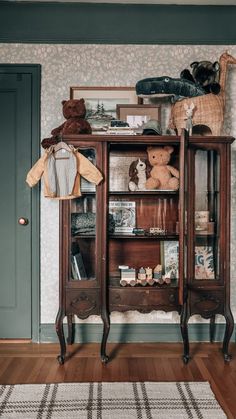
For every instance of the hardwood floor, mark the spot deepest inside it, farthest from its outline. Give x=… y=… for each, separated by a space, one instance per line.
x=37 y=363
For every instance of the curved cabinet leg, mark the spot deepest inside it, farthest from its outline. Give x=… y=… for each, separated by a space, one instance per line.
x=61 y=337
x=184 y=332
x=71 y=330
x=212 y=328
x=228 y=333
x=106 y=328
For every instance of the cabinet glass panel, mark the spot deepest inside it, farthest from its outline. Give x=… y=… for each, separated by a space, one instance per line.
x=207 y=169
x=83 y=229
x=143 y=223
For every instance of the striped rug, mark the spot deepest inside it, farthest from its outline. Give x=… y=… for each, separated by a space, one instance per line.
x=147 y=400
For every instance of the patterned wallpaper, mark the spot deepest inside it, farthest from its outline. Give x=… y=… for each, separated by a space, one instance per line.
x=109 y=65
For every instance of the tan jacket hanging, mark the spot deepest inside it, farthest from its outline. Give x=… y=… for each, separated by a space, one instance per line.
x=61 y=172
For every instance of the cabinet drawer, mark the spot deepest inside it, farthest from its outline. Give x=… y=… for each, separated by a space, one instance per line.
x=82 y=302
x=206 y=303
x=143 y=299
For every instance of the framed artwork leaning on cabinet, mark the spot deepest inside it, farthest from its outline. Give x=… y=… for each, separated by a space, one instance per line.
x=101 y=102
x=137 y=115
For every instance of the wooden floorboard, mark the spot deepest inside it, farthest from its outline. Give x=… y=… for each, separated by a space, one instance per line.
x=28 y=362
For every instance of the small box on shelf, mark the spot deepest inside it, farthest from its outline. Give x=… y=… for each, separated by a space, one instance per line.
x=206 y=228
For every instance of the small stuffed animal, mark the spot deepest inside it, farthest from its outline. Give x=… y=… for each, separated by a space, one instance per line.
x=138 y=175
x=189 y=113
x=162 y=175
x=205 y=74
x=74 y=111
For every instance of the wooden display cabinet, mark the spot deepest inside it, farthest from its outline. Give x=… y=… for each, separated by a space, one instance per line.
x=191 y=240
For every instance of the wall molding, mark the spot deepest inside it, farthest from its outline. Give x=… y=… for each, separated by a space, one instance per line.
x=106 y=23
x=138 y=332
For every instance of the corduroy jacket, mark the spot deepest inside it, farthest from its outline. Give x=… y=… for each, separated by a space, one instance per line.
x=61 y=172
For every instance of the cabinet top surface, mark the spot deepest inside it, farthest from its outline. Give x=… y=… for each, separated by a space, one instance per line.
x=147 y=139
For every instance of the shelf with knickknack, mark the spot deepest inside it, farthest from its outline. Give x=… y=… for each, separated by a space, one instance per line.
x=144 y=232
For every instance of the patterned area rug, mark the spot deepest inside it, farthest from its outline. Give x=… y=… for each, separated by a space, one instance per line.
x=109 y=401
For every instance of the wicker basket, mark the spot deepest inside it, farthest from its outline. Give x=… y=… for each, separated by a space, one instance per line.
x=208 y=111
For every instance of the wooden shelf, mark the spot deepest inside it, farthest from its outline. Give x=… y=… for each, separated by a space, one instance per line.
x=83 y=236
x=114 y=282
x=172 y=236
x=143 y=193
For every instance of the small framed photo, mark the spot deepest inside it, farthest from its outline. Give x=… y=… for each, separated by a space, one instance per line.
x=201 y=220
x=101 y=102
x=137 y=115
x=120 y=164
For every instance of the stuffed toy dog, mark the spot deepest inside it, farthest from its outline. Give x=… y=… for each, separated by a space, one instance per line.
x=138 y=173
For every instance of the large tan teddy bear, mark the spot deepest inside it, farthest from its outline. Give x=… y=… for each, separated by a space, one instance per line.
x=162 y=175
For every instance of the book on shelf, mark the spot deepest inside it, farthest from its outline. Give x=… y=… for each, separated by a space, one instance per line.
x=85 y=185
x=74 y=275
x=120 y=131
x=170 y=258
x=77 y=267
x=124 y=216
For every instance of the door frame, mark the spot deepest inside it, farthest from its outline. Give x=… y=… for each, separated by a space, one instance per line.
x=35 y=71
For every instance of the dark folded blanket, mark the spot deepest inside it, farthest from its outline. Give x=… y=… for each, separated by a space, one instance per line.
x=85 y=223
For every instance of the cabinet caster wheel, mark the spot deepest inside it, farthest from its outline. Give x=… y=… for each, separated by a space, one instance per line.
x=104 y=359
x=61 y=359
x=185 y=359
x=227 y=357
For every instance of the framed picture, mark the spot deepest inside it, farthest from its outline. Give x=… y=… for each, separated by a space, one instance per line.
x=170 y=258
x=201 y=220
x=119 y=164
x=137 y=115
x=204 y=262
x=101 y=102
x=124 y=215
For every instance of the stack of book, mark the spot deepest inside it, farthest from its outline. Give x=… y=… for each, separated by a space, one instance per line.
x=120 y=131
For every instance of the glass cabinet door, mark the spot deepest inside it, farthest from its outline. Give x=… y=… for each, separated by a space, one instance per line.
x=83 y=229
x=207 y=215
x=143 y=243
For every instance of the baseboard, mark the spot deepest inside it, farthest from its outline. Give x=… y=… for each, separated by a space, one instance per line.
x=141 y=332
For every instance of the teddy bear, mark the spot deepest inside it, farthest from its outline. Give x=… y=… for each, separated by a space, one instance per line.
x=204 y=74
x=162 y=175
x=74 y=111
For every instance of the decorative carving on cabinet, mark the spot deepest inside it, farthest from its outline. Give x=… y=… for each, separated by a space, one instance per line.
x=207 y=305
x=84 y=305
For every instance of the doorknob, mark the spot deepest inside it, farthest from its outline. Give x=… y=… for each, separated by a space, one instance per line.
x=23 y=221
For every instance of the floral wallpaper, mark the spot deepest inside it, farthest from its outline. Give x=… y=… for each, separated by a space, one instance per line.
x=109 y=65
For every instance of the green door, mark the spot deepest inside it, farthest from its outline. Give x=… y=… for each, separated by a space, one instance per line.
x=16 y=122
